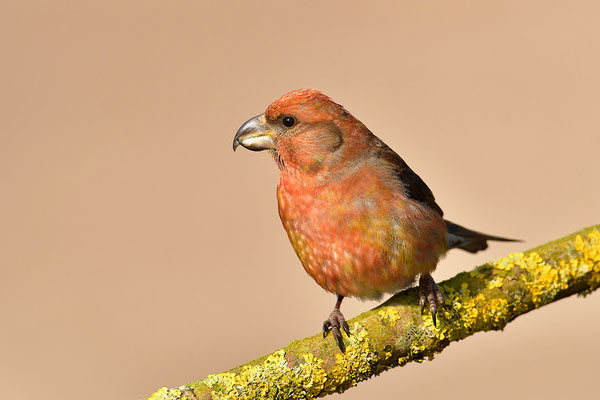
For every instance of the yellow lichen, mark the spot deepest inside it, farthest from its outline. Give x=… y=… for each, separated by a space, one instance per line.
x=356 y=363
x=505 y=263
x=545 y=280
x=305 y=380
x=416 y=348
x=167 y=394
x=403 y=360
x=471 y=311
x=590 y=249
x=468 y=311
x=389 y=316
x=495 y=283
x=274 y=376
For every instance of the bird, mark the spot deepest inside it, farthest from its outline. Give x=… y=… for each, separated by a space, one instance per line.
x=361 y=221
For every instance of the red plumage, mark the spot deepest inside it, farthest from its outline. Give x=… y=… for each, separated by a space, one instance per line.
x=360 y=220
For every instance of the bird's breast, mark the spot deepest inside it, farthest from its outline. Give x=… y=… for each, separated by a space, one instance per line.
x=357 y=236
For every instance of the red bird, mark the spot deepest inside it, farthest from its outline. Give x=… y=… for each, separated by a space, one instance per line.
x=360 y=220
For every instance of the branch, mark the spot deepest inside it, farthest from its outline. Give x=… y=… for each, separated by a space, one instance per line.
x=395 y=333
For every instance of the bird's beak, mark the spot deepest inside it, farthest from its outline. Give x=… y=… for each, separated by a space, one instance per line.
x=254 y=135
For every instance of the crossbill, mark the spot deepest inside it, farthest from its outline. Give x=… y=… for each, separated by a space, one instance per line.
x=361 y=221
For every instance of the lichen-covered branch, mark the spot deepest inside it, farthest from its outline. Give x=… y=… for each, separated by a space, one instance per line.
x=395 y=333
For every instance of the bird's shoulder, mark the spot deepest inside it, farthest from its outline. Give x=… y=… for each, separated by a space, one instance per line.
x=412 y=183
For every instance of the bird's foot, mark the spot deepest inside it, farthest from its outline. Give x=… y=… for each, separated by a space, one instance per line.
x=429 y=292
x=336 y=321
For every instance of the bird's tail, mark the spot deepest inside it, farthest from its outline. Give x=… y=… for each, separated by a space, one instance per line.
x=462 y=238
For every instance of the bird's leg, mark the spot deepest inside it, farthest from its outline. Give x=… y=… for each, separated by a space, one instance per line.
x=429 y=292
x=336 y=321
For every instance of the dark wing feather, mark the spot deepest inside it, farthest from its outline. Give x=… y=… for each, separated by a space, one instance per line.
x=459 y=237
x=414 y=186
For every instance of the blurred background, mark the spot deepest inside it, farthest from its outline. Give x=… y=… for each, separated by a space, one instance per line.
x=129 y=229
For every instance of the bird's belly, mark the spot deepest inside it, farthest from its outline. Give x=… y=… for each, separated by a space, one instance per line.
x=361 y=247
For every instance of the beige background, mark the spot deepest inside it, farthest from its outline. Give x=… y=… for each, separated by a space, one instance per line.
x=138 y=251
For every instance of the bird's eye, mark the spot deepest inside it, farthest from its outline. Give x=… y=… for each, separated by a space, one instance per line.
x=288 y=121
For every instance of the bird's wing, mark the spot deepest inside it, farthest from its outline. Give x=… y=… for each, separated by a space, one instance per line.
x=414 y=186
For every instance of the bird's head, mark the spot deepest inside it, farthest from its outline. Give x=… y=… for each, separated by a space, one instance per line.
x=306 y=131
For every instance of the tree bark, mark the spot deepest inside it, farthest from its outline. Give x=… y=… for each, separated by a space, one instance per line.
x=395 y=333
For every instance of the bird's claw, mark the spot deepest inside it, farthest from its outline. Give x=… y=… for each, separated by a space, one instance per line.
x=429 y=292
x=336 y=321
